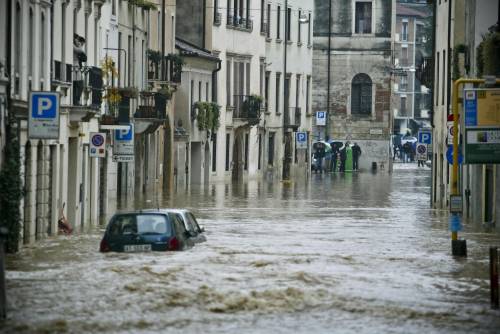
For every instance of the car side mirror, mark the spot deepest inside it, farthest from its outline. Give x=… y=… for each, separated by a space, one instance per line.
x=202 y=229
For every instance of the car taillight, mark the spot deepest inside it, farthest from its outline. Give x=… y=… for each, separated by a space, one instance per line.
x=104 y=246
x=173 y=244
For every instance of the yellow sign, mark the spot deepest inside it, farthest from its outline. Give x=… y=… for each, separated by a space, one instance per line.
x=488 y=108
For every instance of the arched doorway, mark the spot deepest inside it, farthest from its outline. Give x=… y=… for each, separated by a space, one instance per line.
x=238 y=163
x=39 y=192
x=27 y=194
x=207 y=163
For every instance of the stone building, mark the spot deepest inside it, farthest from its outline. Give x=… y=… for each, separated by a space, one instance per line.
x=357 y=48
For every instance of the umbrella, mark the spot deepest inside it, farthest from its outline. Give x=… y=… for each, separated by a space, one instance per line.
x=328 y=148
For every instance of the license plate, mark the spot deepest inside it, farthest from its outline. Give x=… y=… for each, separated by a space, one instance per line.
x=137 y=248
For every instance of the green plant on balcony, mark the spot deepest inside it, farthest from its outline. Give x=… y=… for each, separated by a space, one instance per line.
x=487 y=55
x=166 y=91
x=129 y=92
x=177 y=63
x=208 y=115
x=144 y=4
x=251 y=108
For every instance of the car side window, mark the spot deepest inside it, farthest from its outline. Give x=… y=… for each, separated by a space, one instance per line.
x=193 y=222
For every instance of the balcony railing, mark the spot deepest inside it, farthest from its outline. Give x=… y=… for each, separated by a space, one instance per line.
x=168 y=69
x=292 y=117
x=87 y=86
x=247 y=108
x=217 y=19
x=239 y=23
x=151 y=106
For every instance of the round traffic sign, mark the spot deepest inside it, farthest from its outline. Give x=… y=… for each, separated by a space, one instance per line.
x=421 y=149
x=97 y=139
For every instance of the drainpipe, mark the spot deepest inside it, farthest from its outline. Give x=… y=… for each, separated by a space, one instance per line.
x=327 y=120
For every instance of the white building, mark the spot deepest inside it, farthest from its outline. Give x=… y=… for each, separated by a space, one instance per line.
x=460 y=27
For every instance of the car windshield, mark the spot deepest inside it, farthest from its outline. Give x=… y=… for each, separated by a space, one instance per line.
x=140 y=224
x=152 y=224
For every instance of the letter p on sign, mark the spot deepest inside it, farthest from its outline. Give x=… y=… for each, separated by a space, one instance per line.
x=44 y=106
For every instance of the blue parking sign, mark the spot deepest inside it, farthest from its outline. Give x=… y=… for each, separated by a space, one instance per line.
x=301 y=138
x=425 y=137
x=43 y=115
x=124 y=135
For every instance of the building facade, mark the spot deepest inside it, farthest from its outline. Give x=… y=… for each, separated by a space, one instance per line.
x=352 y=75
x=412 y=50
x=460 y=30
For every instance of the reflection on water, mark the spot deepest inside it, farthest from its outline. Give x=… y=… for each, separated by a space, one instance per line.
x=354 y=253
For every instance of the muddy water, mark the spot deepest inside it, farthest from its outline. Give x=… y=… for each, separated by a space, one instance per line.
x=339 y=254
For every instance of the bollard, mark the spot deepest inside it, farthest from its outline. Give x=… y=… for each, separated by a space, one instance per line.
x=494 y=277
x=459 y=248
x=3 y=298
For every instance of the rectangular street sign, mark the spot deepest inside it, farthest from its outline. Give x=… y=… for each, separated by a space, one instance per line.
x=97 y=147
x=43 y=115
x=301 y=140
x=482 y=146
x=123 y=144
x=456 y=203
x=321 y=118
x=425 y=137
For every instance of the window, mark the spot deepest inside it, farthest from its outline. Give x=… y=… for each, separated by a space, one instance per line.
x=278 y=22
x=262 y=14
x=199 y=91
x=270 y=156
x=309 y=29
x=260 y=152
x=299 y=39
x=404 y=31
x=403 y=85
x=247 y=142
x=228 y=83
x=403 y=107
x=363 y=18
x=437 y=80
x=113 y=7
x=207 y=92
x=443 y=86
x=308 y=92
x=30 y=45
x=129 y=60
x=214 y=153
x=361 y=101
x=404 y=56
x=277 y=93
x=228 y=143
x=191 y=94
x=266 y=90
x=297 y=91
x=268 y=33
x=42 y=52
x=120 y=73
x=288 y=24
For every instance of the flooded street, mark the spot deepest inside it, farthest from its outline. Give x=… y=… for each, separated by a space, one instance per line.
x=358 y=253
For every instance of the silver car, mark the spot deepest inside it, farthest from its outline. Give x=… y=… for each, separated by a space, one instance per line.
x=197 y=232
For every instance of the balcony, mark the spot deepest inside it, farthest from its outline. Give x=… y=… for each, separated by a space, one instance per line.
x=87 y=90
x=247 y=109
x=292 y=118
x=264 y=28
x=164 y=69
x=217 y=19
x=152 y=105
x=239 y=23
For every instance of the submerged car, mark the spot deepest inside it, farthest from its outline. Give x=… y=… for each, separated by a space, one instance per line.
x=190 y=224
x=145 y=230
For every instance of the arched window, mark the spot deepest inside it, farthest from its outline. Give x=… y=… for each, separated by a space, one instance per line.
x=30 y=44
x=42 y=51
x=17 y=38
x=361 y=93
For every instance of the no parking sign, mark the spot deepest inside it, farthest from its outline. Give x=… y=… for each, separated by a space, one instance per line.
x=97 y=147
